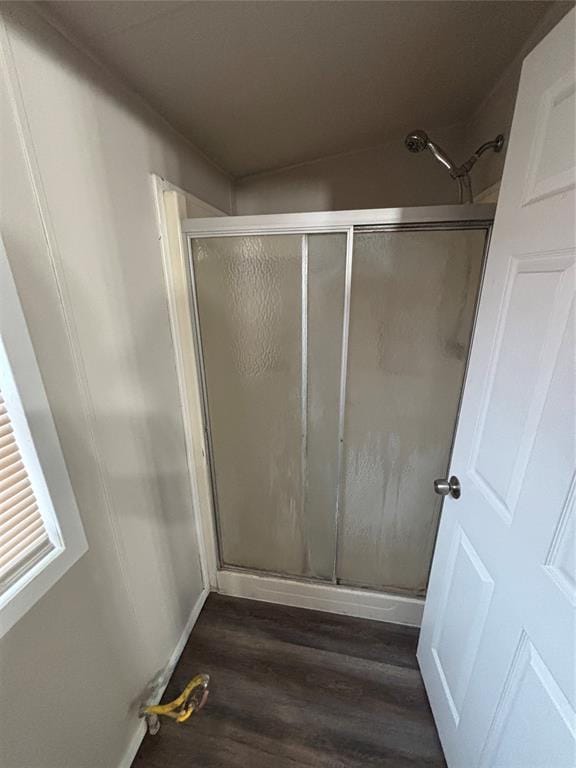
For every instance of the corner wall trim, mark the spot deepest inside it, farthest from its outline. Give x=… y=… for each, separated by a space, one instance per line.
x=364 y=604
x=172 y=203
x=140 y=732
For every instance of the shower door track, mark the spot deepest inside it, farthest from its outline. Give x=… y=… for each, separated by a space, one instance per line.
x=335 y=596
x=320 y=222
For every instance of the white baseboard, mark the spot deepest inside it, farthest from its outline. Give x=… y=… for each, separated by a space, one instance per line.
x=133 y=746
x=140 y=731
x=323 y=597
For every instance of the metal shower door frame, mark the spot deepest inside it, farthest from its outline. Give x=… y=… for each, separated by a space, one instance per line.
x=475 y=216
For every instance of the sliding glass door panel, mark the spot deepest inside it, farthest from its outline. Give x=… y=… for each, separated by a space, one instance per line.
x=412 y=306
x=249 y=294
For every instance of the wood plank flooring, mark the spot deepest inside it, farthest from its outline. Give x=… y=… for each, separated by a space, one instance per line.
x=292 y=687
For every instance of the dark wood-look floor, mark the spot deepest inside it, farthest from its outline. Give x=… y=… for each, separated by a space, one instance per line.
x=292 y=687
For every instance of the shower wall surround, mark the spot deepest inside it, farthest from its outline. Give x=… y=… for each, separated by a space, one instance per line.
x=332 y=382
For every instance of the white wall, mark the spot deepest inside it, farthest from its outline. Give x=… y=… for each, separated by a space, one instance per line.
x=379 y=177
x=77 y=217
x=389 y=175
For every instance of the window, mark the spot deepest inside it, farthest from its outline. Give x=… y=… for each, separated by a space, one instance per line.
x=24 y=535
x=41 y=533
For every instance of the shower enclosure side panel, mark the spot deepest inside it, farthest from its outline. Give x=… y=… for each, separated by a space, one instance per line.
x=249 y=304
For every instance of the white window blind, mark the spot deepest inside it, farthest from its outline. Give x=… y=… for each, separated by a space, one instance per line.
x=24 y=538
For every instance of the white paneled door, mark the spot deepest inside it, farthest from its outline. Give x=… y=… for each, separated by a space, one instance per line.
x=497 y=648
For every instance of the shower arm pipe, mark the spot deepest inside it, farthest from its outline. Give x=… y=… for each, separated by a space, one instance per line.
x=462 y=172
x=496 y=144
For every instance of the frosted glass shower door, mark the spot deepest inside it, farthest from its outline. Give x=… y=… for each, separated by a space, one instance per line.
x=412 y=305
x=332 y=349
x=270 y=312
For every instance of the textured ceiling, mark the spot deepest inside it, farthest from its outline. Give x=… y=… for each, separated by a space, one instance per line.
x=262 y=85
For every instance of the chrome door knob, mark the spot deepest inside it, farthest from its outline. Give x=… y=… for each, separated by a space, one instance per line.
x=450 y=487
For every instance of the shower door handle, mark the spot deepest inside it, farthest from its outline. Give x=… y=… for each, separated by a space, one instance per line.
x=450 y=487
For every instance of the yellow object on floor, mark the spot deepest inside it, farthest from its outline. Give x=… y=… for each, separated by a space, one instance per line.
x=192 y=699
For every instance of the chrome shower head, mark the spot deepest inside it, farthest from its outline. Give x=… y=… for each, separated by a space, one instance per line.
x=417 y=141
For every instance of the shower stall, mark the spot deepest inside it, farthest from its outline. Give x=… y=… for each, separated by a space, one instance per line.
x=331 y=350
